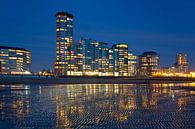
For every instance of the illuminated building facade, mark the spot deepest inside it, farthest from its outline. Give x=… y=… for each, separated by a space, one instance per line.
x=79 y=56
x=120 y=57
x=92 y=57
x=181 y=64
x=103 y=60
x=111 y=62
x=64 y=64
x=132 y=64
x=149 y=63
x=97 y=59
x=14 y=60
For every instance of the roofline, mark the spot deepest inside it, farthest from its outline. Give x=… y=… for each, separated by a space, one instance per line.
x=114 y=45
x=15 y=48
x=149 y=53
x=104 y=43
x=65 y=14
x=120 y=44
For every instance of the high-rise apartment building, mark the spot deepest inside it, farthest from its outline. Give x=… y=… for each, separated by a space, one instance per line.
x=93 y=57
x=90 y=56
x=111 y=62
x=120 y=57
x=64 y=64
x=132 y=64
x=79 y=56
x=103 y=60
x=14 y=60
x=97 y=59
x=149 y=63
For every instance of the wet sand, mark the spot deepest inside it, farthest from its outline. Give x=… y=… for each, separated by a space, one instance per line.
x=97 y=106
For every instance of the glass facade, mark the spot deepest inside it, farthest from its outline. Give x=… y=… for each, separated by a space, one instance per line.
x=111 y=62
x=90 y=55
x=149 y=63
x=64 y=64
x=103 y=60
x=132 y=64
x=93 y=57
x=14 y=60
x=120 y=57
x=97 y=59
x=79 y=56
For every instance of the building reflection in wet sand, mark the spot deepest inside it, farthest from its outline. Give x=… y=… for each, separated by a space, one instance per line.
x=105 y=103
x=14 y=102
x=88 y=106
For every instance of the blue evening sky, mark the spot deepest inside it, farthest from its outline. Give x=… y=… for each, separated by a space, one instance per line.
x=164 y=26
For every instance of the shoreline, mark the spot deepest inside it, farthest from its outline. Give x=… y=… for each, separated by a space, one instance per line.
x=12 y=80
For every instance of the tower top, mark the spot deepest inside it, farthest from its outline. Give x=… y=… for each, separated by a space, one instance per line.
x=64 y=14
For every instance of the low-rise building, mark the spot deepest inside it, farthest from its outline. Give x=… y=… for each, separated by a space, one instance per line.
x=14 y=60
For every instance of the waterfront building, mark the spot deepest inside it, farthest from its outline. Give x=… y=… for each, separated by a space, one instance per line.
x=181 y=64
x=103 y=61
x=93 y=57
x=132 y=64
x=90 y=54
x=97 y=59
x=149 y=63
x=120 y=57
x=14 y=60
x=94 y=52
x=111 y=62
x=65 y=55
x=79 y=56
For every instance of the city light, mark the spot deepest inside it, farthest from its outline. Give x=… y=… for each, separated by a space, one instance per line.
x=192 y=74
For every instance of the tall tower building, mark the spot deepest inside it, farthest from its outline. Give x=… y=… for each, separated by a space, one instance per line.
x=64 y=40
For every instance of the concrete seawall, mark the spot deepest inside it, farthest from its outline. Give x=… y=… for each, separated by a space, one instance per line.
x=89 y=80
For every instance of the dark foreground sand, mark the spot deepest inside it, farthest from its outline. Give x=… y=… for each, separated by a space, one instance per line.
x=88 y=80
